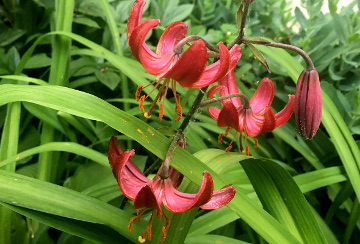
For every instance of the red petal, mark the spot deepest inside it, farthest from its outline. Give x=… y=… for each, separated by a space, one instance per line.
x=220 y=198
x=178 y=202
x=217 y=70
x=269 y=120
x=146 y=199
x=190 y=66
x=263 y=96
x=128 y=175
x=285 y=114
x=230 y=87
x=176 y=177
x=135 y=16
x=252 y=122
x=229 y=117
x=114 y=150
x=137 y=37
x=170 y=37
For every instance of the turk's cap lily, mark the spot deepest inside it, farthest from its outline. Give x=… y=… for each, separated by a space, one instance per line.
x=254 y=118
x=152 y=193
x=188 y=69
x=308 y=103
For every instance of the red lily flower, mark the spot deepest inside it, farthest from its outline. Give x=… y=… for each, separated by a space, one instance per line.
x=152 y=193
x=308 y=103
x=169 y=63
x=248 y=117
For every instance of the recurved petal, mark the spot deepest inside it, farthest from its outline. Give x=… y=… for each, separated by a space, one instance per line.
x=137 y=37
x=114 y=150
x=128 y=175
x=217 y=70
x=229 y=117
x=269 y=120
x=170 y=37
x=190 y=66
x=220 y=198
x=263 y=96
x=135 y=16
x=230 y=87
x=284 y=115
x=178 y=202
x=214 y=111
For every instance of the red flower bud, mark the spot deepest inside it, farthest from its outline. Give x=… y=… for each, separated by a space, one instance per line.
x=308 y=103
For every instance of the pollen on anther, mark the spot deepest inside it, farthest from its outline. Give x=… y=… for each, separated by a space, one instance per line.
x=247 y=151
x=141 y=103
x=147 y=115
x=256 y=143
x=138 y=91
x=179 y=111
x=161 y=112
x=220 y=138
x=228 y=148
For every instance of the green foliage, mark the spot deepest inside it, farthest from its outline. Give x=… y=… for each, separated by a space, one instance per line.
x=67 y=85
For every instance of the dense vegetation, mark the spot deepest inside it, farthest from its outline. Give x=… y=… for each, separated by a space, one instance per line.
x=67 y=85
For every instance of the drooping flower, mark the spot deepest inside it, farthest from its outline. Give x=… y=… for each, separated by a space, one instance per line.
x=254 y=117
x=169 y=64
x=152 y=193
x=308 y=103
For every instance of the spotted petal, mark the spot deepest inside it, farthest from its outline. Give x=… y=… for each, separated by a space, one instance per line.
x=178 y=202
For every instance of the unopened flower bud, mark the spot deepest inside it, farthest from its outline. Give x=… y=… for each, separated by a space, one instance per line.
x=308 y=103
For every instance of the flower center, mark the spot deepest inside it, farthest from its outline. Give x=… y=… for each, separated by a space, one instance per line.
x=160 y=96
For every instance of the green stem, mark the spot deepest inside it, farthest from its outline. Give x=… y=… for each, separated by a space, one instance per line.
x=165 y=169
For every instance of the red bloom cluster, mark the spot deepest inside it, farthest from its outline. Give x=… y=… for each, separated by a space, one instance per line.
x=169 y=64
x=248 y=116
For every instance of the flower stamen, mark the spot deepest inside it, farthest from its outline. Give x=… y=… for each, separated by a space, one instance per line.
x=138 y=91
x=147 y=231
x=230 y=146
x=256 y=143
x=141 y=103
x=137 y=217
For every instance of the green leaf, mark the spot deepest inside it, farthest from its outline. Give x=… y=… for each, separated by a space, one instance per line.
x=281 y=196
x=89 y=231
x=33 y=194
x=38 y=61
x=258 y=55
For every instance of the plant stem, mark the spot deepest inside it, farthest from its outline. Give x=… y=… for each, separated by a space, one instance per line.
x=240 y=37
x=220 y=99
x=166 y=165
x=177 y=49
x=261 y=41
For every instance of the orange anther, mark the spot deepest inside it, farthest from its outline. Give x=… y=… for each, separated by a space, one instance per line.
x=138 y=91
x=247 y=151
x=220 y=138
x=228 y=148
x=161 y=112
x=179 y=111
x=256 y=143
x=141 y=103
